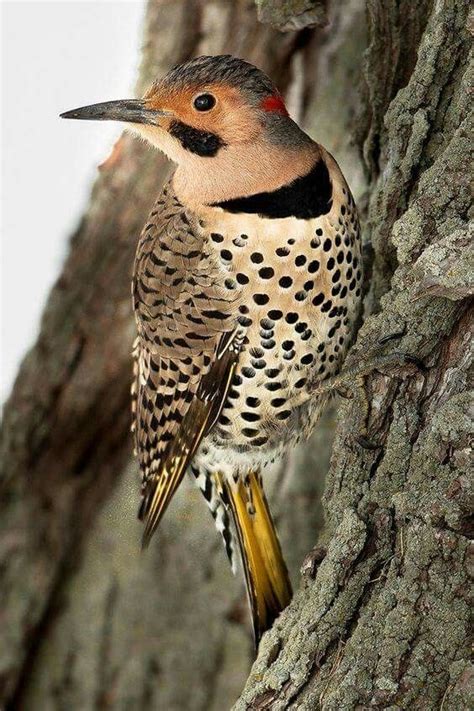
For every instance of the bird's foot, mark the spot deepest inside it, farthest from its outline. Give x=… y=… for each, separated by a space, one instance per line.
x=352 y=378
x=312 y=562
x=350 y=383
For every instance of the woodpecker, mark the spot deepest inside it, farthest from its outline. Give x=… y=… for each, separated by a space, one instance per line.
x=246 y=291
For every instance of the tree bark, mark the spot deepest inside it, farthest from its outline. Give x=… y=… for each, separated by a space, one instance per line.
x=381 y=619
x=89 y=623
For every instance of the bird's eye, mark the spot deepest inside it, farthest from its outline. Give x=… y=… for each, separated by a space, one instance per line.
x=204 y=102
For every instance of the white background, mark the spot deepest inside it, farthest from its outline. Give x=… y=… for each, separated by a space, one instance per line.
x=55 y=56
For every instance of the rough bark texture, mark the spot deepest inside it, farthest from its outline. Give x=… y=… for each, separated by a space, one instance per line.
x=383 y=622
x=86 y=621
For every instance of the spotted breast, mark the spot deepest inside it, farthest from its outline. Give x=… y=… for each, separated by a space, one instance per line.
x=296 y=286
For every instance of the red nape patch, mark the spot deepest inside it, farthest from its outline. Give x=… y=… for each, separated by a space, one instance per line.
x=274 y=103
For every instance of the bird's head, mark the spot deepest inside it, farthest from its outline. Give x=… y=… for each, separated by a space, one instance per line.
x=208 y=111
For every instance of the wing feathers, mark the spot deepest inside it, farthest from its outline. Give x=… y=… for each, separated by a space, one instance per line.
x=202 y=413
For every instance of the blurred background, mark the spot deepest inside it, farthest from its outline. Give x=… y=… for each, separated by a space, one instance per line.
x=89 y=622
x=77 y=53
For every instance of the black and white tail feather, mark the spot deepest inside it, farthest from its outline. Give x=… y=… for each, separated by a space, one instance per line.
x=207 y=485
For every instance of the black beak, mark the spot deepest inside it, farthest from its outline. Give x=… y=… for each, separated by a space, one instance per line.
x=129 y=110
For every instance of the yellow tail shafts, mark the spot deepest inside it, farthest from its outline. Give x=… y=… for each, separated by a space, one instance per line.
x=266 y=575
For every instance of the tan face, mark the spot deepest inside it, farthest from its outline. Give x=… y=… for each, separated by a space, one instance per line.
x=229 y=116
x=221 y=141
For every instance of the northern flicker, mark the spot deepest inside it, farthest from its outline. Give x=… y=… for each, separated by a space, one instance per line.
x=246 y=290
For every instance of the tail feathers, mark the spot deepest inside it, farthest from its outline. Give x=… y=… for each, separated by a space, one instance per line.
x=266 y=576
x=207 y=484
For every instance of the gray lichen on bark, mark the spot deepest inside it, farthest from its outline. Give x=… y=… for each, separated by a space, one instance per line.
x=288 y=15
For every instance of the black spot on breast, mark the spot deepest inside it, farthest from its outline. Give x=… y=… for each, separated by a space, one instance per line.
x=256 y=257
x=273 y=386
x=285 y=282
x=226 y=255
x=266 y=272
x=242 y=278
x=249 y=432
x=250 y=416
x=261 y=299
x=271 y=372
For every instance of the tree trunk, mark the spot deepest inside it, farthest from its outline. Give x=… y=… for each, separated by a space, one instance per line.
x=382 y=621
x=89 y=623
